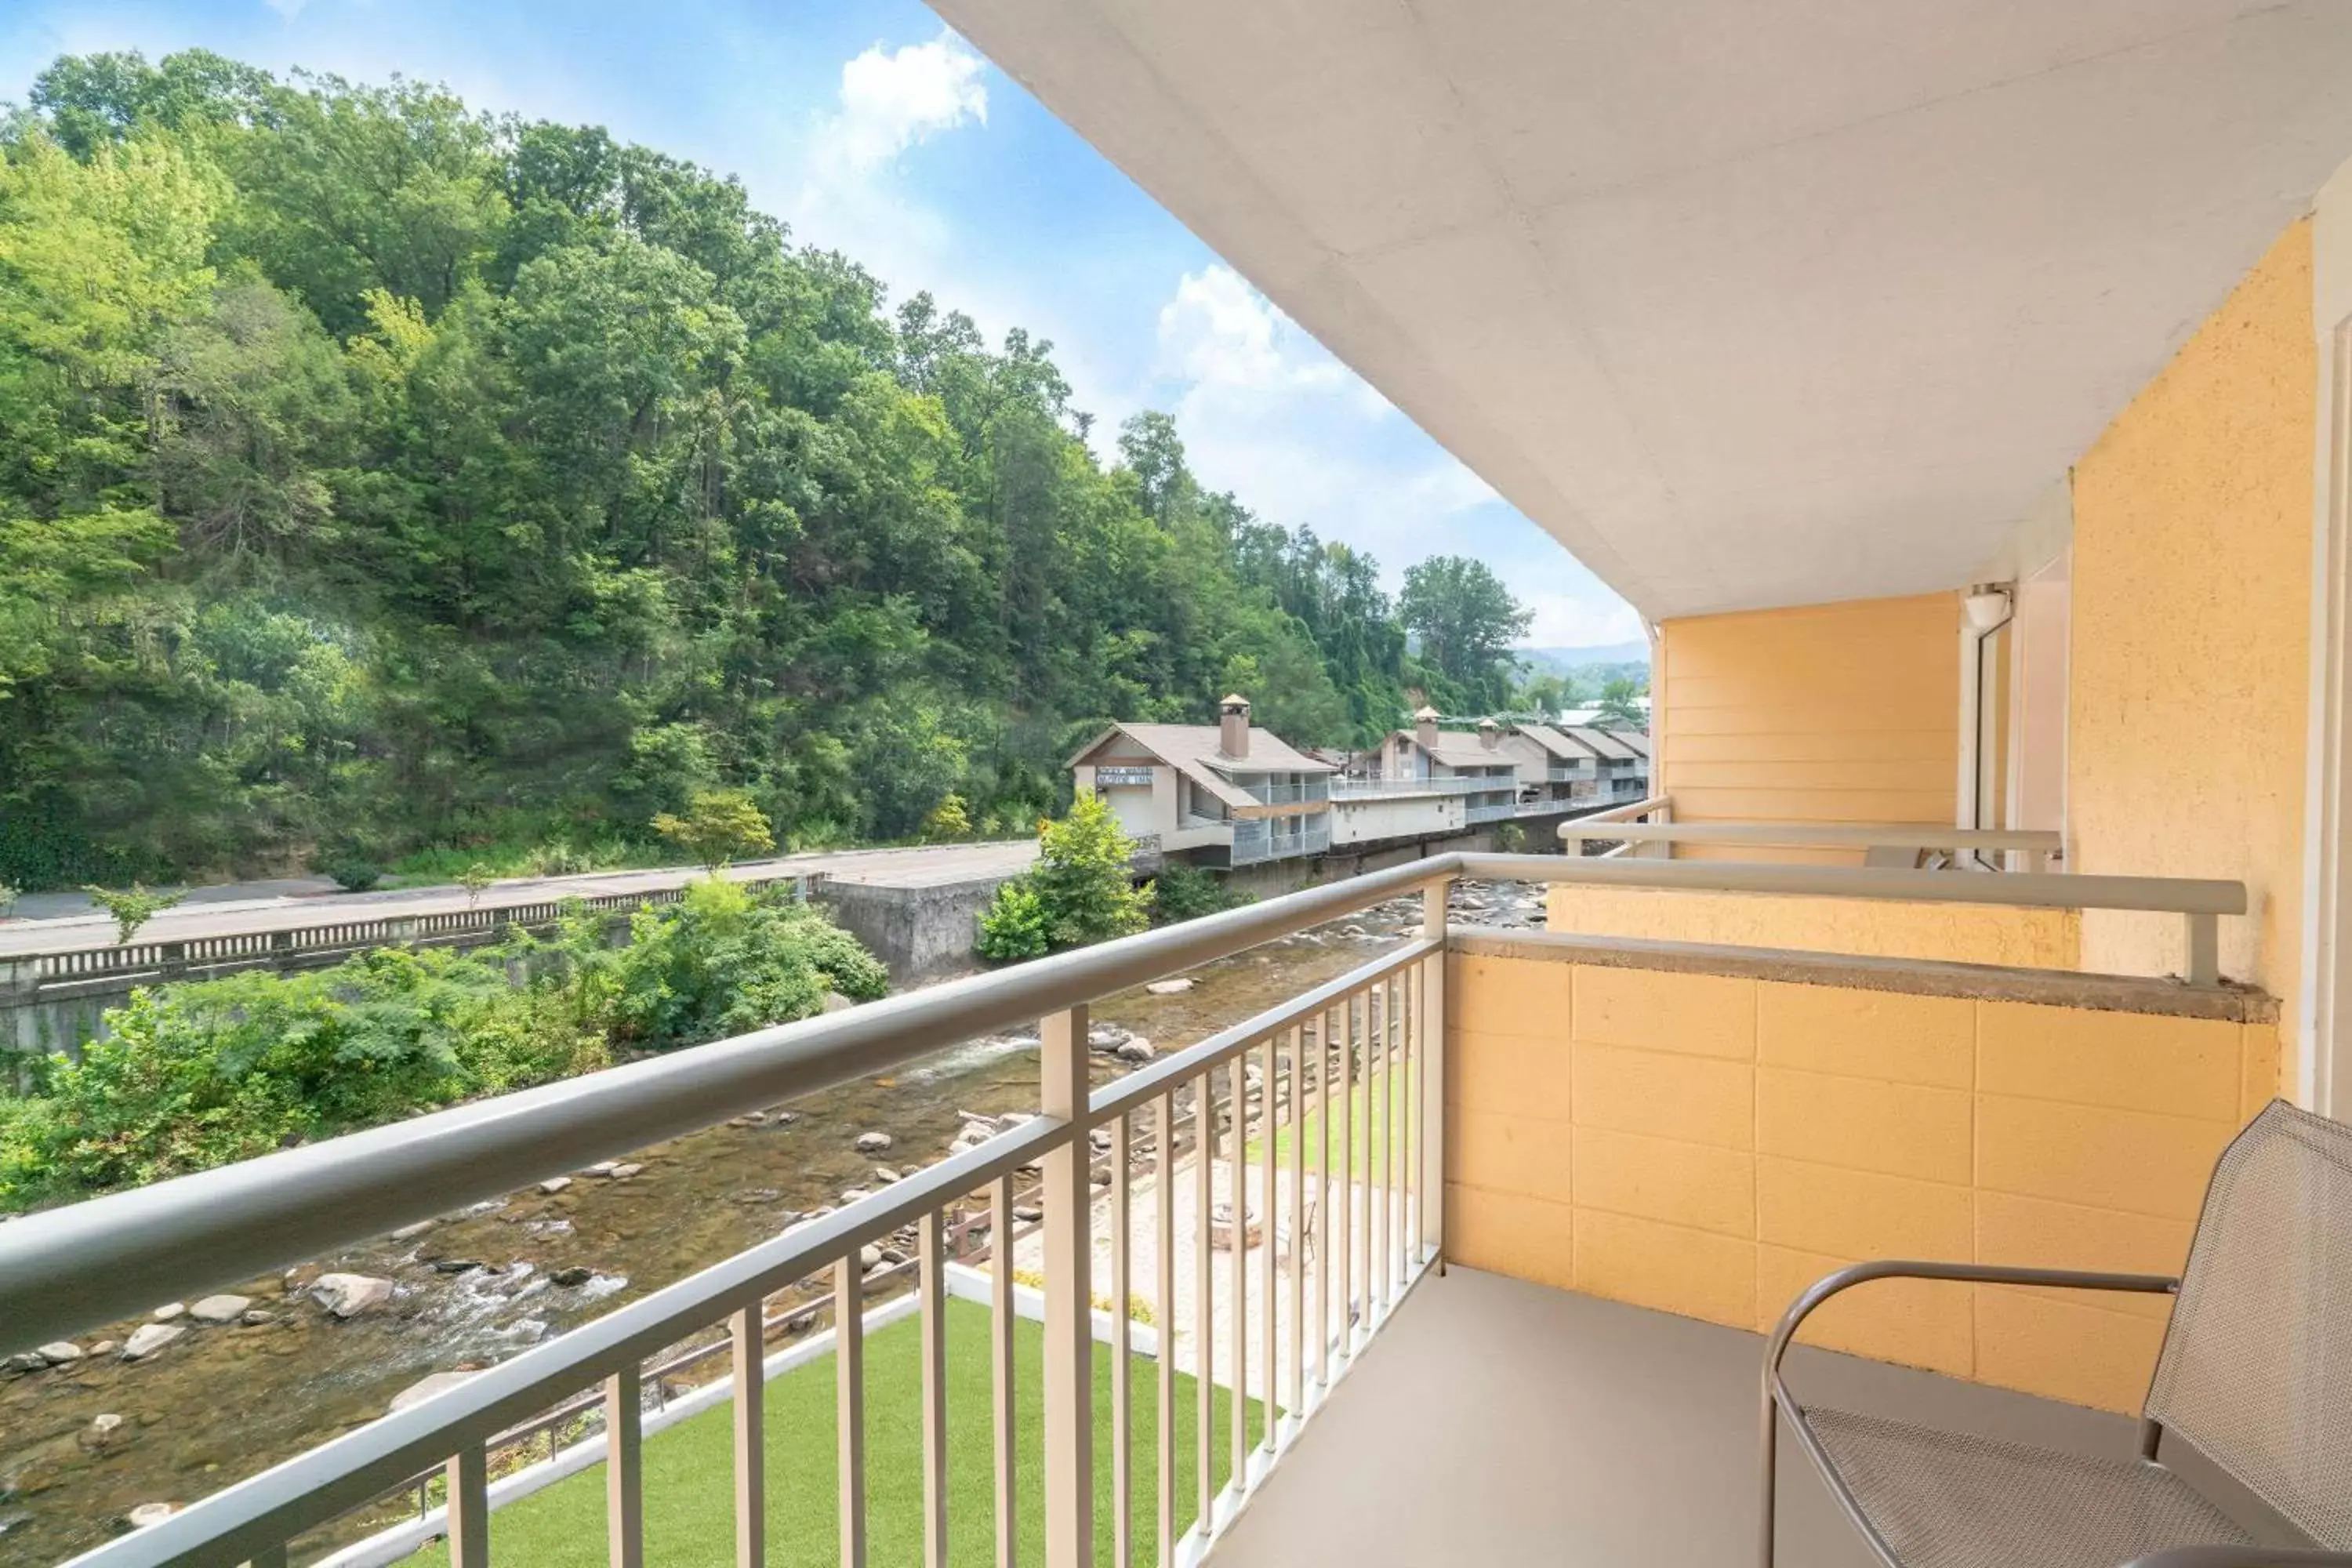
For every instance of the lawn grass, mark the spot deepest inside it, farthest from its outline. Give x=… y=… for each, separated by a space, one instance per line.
x=689 y=1469
x=1366 y=1129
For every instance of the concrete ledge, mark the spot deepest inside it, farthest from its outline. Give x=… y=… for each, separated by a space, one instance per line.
x=1914 y=976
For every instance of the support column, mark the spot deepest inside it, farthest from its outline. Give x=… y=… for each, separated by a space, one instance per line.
x=1432 y=1069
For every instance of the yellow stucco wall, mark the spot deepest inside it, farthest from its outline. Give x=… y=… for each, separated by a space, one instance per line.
x=1707 y=1144
x=2191 y=636
x=1962 y=934
x=1845 y=712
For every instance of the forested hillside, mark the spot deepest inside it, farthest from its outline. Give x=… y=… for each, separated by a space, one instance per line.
x=375 y=473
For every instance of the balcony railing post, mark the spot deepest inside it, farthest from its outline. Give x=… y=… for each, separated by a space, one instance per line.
x=1432 y=1068
x=2204 y=965
x=1069 y=1305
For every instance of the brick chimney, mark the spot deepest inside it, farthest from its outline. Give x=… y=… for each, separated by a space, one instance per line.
x=1490 y=734
x=1232 y=726
x=1425 y=729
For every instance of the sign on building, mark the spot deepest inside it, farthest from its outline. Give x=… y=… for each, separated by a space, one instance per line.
x=1108 y=778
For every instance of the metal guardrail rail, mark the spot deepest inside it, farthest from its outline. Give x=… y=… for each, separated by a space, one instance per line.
x=1375 y=1032
x=169 y=958
x=2036 y=844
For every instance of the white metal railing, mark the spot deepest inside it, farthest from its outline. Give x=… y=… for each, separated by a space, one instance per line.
x=1491 y=810
x=1315 y=788
x=1288 y=1085
x=2033 y=846
x=1369 y=789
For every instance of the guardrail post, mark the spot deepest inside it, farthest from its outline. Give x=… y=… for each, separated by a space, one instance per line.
x=1432 y=1068
x=1069 y=1301
x=2204 y=966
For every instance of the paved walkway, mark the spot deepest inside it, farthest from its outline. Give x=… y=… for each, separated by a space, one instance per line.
x=277 y=905
x=1029 y=1253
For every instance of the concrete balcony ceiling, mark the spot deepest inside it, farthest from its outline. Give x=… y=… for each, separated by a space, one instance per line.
x=1747 y=302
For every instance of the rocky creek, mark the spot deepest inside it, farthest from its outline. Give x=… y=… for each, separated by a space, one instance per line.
x=160 y=1411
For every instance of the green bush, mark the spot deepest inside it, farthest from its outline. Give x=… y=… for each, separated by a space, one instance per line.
x=948 y=822
x=355 y=876
x=201 y=1074
x=1014 y=927
x=1184 y=892
x=720 y=826
x=131 y=906
x=1082 y=890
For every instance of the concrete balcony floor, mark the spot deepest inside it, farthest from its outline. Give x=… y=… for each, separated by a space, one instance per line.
x=1498 y=1422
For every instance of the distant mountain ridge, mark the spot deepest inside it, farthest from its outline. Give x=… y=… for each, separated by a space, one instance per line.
x=1568 y=659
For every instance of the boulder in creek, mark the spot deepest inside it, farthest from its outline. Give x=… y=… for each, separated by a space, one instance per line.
x=168 y=1310
x=571 y=1277
x=348 y=1295
x=27 y=1361
x=622 y=1173
x=873 y=1143
x=103 y=1433
x=555 y=1184
x=411 y=1232
x=57 y=1352
x=869 y=1258
x=1176 y=987
x=149 y=1338
x=150 y=1513
x=220 y=1308
x=1137 y=1050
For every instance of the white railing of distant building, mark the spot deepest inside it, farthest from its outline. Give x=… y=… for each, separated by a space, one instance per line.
x=1316 y=788
x=1376 y=788
x=1371 y=1043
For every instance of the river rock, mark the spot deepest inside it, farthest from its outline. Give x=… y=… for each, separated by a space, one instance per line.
x=455 y=1265
x=258 y=1318
x=873 y=1143
x=168 y=1310
x=869 y=1256
x=411 y=1232
x=149 y=1338
x=150 y=1513
x=853 y=1195
x=104 y=1347
x=555 y=1184
x=61 y=1352
x=571 y=1277
x=1106 y=1038
x=622 y=1173
x=102 y=1433
x=1137 y=1050
x=220 y=1308
x=601 y=1168
x=425 y=1388
x=1170 y=987
x=348 y=1295
x=1024 y=1213
x=27 y=1361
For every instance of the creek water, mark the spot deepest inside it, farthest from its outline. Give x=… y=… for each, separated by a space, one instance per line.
x=222 y=1403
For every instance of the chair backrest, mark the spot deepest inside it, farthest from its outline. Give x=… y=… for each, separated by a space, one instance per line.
x=2257 y=1364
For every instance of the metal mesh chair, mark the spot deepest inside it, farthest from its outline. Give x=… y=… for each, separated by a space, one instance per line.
x=2255 y=1374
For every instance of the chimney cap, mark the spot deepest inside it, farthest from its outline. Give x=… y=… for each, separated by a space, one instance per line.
x=1234 y=700
x=1488 y=723
x=1424 y=713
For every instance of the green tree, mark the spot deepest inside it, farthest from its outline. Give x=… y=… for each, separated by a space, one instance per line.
x=1619 y=702
x=948 y=822
x=131 y=908
x=1468 y=621
x=720 y=825
x=1081 y=892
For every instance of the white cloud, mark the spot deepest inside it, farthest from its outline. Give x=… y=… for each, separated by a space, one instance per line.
x=1579 y=620
x=892 y=100
x=1217 y=330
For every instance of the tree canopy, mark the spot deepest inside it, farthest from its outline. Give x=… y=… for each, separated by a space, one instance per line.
x=376 y=474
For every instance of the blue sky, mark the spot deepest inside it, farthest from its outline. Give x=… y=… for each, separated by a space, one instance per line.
x=868 y=126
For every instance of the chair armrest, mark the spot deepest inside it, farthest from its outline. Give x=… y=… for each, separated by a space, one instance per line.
x=2243 y=1557
x=1846 y=1278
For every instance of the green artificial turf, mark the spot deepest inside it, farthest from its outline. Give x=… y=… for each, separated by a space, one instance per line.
x=1366 y=1130
x=689 y=1469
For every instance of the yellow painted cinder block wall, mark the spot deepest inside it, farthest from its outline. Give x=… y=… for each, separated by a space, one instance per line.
x=2190 y=639
x=1959 y=933
x=1709 y=1144
x=1845 y=712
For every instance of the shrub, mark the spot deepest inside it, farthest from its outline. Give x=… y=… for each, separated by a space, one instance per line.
x=1081 y=892
x=8 y=896
x=476 y=879
x=355 y=876
x=1184 y=892
x=200 y=1074
x=1014 y=927
x=131 y=907
x=719 y=826
x=948 y=822
x=1510 y=838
